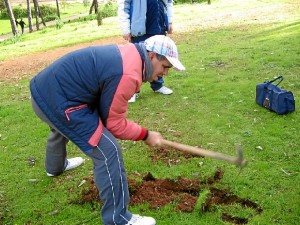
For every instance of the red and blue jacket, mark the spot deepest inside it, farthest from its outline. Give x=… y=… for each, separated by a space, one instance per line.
x=89 y=89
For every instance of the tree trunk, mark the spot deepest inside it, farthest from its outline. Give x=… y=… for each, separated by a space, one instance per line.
x=208 y=1
x=58 y=10
x=11 y=17
x=36 y=10
x=91 y=8
x=40 y=13
x=29 y=17
x=94 y=4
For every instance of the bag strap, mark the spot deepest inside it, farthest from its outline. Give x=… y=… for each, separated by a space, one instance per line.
x=277 y=78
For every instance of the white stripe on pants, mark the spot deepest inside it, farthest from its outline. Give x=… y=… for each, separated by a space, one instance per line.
x=110 y=179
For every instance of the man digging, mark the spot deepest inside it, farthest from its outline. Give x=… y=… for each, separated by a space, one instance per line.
x=83 y=97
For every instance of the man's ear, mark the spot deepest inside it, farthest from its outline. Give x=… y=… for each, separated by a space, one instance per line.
x=151 y=55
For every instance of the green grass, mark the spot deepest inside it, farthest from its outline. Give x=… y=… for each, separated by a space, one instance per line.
x=66 y=10
x=49 y=37
x=5 y=26
x=213 y=106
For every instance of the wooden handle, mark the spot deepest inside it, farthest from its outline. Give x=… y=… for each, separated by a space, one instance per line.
x=203 y=152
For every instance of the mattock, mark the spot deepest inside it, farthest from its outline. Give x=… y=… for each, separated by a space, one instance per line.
x=238 y=161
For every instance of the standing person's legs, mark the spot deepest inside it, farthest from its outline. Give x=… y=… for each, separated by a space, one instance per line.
x=110 y=179
x=155 y=85
x=158 y=86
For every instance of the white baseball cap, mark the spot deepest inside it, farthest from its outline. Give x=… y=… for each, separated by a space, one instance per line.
x=165 y=46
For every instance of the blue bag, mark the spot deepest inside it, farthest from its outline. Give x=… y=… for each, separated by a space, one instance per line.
x=273 y=98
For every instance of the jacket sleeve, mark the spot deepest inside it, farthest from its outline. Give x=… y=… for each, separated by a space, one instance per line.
x=124 y=15
x=117 y=123
x=129 y=84
x=170 y=10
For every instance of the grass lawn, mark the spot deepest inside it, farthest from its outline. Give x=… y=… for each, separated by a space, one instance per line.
x=227 y=48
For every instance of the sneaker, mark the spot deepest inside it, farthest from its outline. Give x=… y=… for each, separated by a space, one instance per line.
x=164 y=90
x=141 y=220
x=133 y=98
x=72 y=164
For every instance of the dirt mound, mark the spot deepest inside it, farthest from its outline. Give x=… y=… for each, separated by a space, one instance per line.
x=160 y=192
x=183 y=193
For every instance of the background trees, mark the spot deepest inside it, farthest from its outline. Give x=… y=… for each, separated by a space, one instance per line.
x=37 y=13
x=11 y=17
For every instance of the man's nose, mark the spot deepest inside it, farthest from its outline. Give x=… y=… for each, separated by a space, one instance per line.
x=166 y=71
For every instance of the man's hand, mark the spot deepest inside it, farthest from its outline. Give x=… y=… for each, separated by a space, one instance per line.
x=154 y=139
x=127 y=37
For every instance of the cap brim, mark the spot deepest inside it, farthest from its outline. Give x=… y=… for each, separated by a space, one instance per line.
x=176 y=63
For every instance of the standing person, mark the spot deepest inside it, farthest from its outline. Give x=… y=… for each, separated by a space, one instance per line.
x=83 y=97
x=142 y=19
x=22 y=24
x=17 y=23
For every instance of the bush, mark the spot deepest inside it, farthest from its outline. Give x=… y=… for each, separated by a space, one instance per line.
x=108 y=10
x=50 y=18
x=48 y=10
x=2 y=6
x=58 y=24
x=20 y=12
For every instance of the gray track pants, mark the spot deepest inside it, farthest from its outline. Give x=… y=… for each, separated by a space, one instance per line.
x=109 y=172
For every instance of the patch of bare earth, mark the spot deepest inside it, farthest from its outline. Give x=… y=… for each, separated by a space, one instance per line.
x=181 y=192
x=28 y=65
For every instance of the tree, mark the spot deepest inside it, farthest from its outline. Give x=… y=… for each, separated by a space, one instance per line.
x=58 y=10
x=11 y=17
x=29 y=16
x=94 y=4
x=36 y=10
x=38 y=14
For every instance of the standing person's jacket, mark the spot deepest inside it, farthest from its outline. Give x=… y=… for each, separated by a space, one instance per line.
x=139 y=17
x=89 y=89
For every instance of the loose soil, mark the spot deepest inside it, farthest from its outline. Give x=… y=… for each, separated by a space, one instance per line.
x=181 y=193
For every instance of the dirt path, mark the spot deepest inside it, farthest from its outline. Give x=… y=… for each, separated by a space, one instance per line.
x=28 y=65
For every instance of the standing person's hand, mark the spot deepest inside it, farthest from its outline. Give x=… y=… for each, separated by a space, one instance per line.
x=170 y=31
x=154 y=139
x=127 y=37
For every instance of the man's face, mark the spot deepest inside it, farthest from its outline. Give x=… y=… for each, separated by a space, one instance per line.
x=160 y=68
